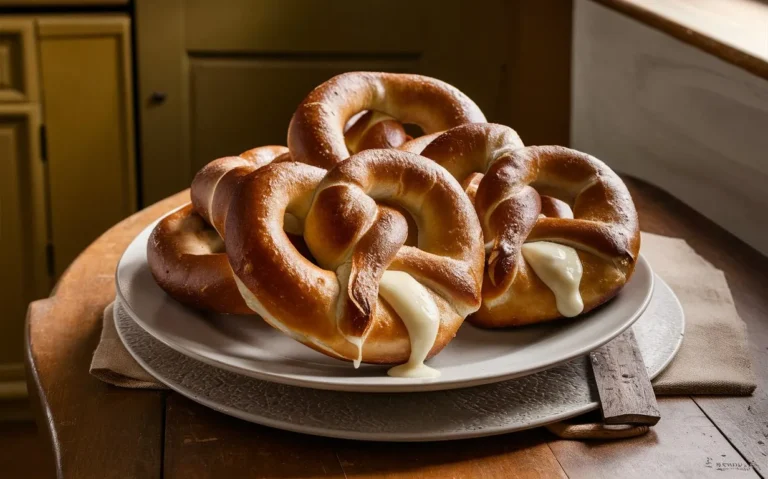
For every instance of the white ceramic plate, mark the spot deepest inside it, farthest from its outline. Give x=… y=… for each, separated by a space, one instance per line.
x=564 y=391
x=249 y=346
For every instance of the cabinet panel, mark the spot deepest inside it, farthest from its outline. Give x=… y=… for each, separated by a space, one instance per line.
x=232 y=72
x=308 y=25
x=18 y=65
x=511 y=58
x=237 y=104
x=22 y=224
x=86 y=72
x=61 y=3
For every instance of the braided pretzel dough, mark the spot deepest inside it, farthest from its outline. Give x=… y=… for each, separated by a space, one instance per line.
x=524 y=198
x=187 y=259
x=467 y=151
x=186 y=254
x=336 y=306
x=604 y=231
x=316 y=131
x=372 y=130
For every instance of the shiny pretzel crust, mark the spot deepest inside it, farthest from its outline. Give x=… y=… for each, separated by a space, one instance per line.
x=520 y=184
x=316 y=131
x=355 y=238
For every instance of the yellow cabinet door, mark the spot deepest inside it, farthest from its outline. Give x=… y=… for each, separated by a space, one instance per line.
x=22 y=224
x=18 y=65
x=85 y=66
x=219 y=77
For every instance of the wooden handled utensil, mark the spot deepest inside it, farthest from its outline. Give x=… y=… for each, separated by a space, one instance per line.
x=625 y=390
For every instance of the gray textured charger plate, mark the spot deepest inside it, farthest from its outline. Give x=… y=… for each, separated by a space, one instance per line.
x=545 y=397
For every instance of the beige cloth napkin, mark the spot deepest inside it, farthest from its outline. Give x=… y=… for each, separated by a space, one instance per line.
x=113 y=364
x=713 y=359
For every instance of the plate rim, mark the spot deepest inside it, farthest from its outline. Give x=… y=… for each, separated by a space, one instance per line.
x=384 y=437
x=394 y=387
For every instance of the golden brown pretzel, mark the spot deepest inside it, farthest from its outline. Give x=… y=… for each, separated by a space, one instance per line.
x=186 y=255
x=316 y=131
x=187 y=259
x=374 y=129
x=467 y=151
x=603 y=230
x=335 y=307
x=219 y=178
x=519 y=200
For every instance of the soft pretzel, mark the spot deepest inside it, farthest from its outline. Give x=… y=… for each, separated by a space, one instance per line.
x=373 y=129
x=535 y=261
x=352 y=305
x=218 y=179
x=316 y=131
x=525 y=197
x=186 y=254
x=466 y=151
x=187 y=259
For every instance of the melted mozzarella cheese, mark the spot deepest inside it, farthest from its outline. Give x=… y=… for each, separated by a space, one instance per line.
x=559 y=267
x=415 y=306
x=358 y=342
x=410 y=300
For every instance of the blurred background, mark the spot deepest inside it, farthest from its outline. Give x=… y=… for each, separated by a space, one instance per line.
x=107 y=106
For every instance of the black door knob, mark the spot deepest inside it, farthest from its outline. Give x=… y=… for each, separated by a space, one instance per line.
x=158 y=97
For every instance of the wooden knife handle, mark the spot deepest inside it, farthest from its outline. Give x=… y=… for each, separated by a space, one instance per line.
x=626 y=394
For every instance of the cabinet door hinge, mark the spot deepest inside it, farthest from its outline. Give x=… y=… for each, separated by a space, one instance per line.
x=50 y=259
x=43 y=143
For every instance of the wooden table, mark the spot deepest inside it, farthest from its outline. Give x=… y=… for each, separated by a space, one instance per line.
x=100 y=431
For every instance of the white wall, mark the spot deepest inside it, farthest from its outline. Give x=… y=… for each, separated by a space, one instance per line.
x=654 y=107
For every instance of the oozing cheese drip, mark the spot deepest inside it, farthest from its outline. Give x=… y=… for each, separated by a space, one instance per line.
x=358 y=342
x=559 y=267
x=410 y=300
x=415 y=306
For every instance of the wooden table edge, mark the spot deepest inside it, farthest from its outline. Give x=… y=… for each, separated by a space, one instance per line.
x=38 y=402
x=45 y=416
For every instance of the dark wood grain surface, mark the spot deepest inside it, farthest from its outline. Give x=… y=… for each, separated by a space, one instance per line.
x=744 y=420
x=678 y=446
x=102 y=431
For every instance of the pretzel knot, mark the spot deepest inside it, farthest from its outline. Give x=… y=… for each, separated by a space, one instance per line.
x=355 y=219
x=186 y=254
x=603 y=230
x=185 y=251
x=545 y=197
x=316 y=131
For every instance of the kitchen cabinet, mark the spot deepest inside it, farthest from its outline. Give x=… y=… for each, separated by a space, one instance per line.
x=67 y=155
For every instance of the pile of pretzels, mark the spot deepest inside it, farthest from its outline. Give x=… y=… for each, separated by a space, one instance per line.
x=305 y=235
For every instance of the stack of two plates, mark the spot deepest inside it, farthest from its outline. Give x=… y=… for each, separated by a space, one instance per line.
x=492 y=381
